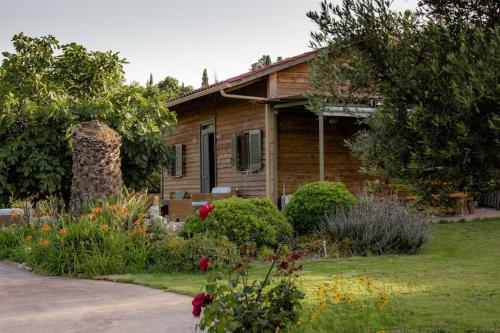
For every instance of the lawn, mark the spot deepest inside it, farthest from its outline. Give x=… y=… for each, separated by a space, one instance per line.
x=451 y=285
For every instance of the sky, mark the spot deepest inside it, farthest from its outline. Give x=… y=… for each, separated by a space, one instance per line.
x=176 y=38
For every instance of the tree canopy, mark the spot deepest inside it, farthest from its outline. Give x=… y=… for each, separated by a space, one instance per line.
x=45 y=89
x=437 y=71
x=263 y=61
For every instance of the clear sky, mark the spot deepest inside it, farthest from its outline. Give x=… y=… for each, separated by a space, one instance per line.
x=165 y=37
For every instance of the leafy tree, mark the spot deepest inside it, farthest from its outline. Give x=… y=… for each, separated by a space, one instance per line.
x=47 y=88
x=204 y=78
x=439 y=126
x=170 y=87
x=263 y=61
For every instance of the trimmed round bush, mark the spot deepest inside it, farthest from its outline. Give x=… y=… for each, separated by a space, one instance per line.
x=243 y=220
x=312 y=202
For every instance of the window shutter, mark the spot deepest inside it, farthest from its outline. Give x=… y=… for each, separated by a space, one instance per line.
x=179 y=160
x=244 y=152
x=235 y=152
x=254 y=150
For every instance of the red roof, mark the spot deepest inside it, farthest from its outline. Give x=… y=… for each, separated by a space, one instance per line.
x=277 y=65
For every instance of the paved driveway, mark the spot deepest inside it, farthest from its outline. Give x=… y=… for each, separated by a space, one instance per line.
x=31 y=303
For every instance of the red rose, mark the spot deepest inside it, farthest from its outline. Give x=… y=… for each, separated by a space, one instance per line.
x=283 y=265
x=203 y=264
x=205 y=211
x=199 y=301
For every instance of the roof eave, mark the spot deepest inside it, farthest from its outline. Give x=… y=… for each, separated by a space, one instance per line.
x=263 y=73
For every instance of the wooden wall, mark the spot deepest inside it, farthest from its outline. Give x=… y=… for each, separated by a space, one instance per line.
x=298 y=151
x=230 y=116
x=292 y=81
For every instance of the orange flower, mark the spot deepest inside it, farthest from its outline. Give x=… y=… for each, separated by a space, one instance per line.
x=90 y=216
x=44 y=242
x=46 y=228
x=29 y=238
x=96 y=209
x=13 y=213
x=137 y=222
x=63 y=231
x=104 y=227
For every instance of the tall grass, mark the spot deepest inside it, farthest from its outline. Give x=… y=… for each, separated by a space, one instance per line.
x=379 y=225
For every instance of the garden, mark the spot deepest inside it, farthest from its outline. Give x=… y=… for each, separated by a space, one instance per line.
x=251 y=267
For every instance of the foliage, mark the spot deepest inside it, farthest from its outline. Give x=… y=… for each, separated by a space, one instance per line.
x=439 y=125
x=9 y=242
x=171 y=87
x=379 y=226
x=204 y=78
x=243 y=220
x=263 y=61
x=86 y=248
x=310 y=204
x=45 y=89
x=241 y=305
x=175 y=254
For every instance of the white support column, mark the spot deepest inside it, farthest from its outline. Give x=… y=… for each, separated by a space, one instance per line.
x=321 y=148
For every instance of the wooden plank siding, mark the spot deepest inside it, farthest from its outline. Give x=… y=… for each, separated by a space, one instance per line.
x=298 y=151
x=293 y=81
x=229 y=116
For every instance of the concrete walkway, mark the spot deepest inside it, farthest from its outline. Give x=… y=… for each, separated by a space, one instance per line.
x=32 y=303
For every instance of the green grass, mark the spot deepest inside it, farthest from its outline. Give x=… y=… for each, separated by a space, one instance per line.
x=451 y=285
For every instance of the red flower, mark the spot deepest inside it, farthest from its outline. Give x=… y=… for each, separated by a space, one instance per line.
x=205 y=211
x=203 y=264
x=199 y=301
x=283 y=265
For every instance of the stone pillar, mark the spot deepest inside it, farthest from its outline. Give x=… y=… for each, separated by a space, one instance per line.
x=96 y=164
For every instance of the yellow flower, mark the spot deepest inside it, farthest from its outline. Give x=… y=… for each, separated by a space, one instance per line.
x=369 y=285
x=314 y=316
x=361 y=307
x=349 y=300
x=380 y=331
x=63 y=231
x=322 y=305
x=299 y=323
x=46 y=228
x=104 y=227
x=44 y=242
x=361 y=280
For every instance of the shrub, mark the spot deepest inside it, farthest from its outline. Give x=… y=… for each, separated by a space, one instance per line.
x=9 y=241
x=241 y=221
x=174 y=253
x=87 y=248
x=379 y=226
x=237 y=303
x=312 y=202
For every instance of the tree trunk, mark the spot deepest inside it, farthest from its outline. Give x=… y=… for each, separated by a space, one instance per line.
x=96 y=164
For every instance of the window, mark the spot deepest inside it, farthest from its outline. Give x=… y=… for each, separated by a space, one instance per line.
x=177 y=169
x=246 y=152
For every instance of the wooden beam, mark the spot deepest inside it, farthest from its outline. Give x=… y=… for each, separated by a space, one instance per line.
x=321 y=148
x=271 y=154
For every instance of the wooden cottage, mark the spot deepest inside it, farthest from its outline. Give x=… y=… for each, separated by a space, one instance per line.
x=253 y=133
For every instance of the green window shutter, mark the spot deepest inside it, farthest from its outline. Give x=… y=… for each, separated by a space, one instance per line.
x=235 y=152
x=254 y=150
x=179 y=160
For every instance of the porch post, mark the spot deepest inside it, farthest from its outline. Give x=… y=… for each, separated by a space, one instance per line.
x=271 y=154
x=321 y=148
